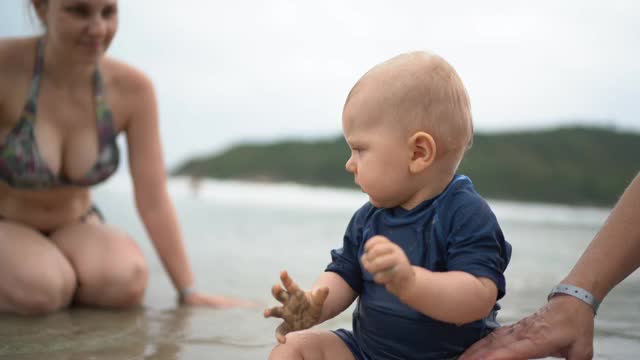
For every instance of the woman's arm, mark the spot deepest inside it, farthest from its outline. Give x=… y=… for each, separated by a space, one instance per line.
x=564 y=326
x=149 y=182
x=618 y=242
x=151 y=196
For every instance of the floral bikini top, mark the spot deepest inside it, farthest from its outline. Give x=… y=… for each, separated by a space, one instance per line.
x=21 y=165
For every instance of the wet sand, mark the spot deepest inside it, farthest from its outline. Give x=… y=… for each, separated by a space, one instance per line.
x=181 y=333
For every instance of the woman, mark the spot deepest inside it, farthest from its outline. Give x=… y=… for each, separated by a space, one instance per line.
x=62 y=104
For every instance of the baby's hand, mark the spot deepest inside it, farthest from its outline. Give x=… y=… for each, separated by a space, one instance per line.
x=388 y=264
x=300 y=309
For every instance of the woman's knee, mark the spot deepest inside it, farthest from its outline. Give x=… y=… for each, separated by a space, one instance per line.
x=116 y=285
x=42 y=291
x=35 y=277
x=111 y=269
x=133 y=283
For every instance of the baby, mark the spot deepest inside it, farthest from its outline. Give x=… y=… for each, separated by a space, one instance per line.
x=425 y=255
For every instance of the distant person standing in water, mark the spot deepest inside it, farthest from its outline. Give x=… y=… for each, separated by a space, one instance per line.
x=62 y=105
x=195 y=183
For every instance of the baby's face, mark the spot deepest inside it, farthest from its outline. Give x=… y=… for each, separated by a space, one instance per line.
x=380 y=151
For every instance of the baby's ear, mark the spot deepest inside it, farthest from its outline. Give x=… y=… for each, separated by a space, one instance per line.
x=423 y=151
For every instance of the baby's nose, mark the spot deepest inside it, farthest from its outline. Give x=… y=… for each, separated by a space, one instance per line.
x=350 y=166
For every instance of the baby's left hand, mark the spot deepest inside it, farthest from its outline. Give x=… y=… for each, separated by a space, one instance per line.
x=389 y=265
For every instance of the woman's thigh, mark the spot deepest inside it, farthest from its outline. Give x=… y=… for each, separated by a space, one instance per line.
x=312 y=345
x=35 y=277
x=109 y=265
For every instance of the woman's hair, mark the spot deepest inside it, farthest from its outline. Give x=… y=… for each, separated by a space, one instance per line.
x=30 y=8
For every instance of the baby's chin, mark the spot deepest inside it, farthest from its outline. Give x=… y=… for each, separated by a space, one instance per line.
x=384 y=204
x=377 y=203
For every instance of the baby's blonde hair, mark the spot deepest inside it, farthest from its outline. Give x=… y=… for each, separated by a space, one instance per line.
x=427 y=95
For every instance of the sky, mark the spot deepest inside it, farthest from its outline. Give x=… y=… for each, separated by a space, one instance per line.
x=247 y=70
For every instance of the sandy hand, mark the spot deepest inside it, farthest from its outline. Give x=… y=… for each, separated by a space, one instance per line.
x=300 y=309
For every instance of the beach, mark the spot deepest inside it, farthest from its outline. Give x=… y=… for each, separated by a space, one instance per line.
x=239 y=236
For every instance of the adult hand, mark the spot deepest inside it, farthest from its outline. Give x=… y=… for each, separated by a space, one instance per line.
x=388 y=264
x=300 y=309
x=200 y=299
x=561 y=328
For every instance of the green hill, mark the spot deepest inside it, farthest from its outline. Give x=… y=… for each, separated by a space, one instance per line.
x=573 y=165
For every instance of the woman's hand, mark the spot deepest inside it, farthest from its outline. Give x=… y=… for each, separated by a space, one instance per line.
x=300 y=309
x=200 y=299
x=561 y=328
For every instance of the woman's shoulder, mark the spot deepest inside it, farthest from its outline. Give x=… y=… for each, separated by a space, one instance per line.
x=17 y=55
x=130 y=90
x=124 y=78
x=17 y=59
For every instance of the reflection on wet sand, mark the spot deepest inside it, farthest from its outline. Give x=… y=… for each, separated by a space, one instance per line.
x=74 y=334
x=97 y=334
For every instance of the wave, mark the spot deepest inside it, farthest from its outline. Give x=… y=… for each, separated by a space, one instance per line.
x=326 y=199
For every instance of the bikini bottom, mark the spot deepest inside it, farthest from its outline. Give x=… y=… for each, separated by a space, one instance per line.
x=83 y=218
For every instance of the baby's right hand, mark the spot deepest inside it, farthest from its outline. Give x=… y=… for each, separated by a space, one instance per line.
x=300 y=309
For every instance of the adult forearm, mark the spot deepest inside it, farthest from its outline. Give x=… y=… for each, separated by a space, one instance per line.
x=455 y=296
x=614 y=253
x=341 y=295
x=162 y=227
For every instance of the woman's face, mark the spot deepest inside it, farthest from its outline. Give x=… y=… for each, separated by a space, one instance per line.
x=80 y=29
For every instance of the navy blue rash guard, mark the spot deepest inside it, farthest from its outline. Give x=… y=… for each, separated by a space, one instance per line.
x=455 y=231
